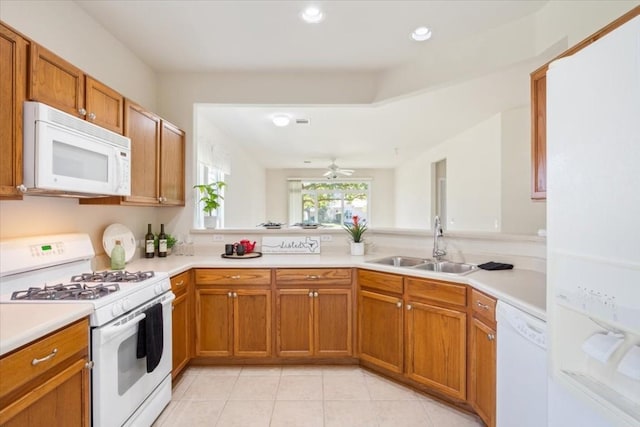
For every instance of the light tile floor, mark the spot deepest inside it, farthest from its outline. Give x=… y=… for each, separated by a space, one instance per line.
x=330 y=396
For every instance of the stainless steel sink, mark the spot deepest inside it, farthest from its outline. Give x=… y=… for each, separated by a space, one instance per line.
x=446 y=267
x=400 y=261
x=425 y=264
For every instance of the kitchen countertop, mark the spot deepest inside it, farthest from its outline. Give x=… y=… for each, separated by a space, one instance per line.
x=524 y=289
x=22 y=323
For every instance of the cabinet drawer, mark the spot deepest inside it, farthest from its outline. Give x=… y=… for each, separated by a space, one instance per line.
x=437 y=291
x=18 y=369
x=233 y=276
x=380 y=281
x=483 y=305
x=313 y=276
x=180 y=282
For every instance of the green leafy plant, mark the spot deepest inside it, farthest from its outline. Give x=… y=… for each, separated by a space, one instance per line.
x=210 y=195
x=357 y=229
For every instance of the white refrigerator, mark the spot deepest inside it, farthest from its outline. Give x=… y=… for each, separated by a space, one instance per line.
x=593 y=233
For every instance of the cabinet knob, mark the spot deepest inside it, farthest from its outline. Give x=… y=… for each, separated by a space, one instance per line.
x=235 y=295
x=399 y=304
x=315 y=294
x=312 y=277
x=92 y=116
x=409 y=307
x=22 y=188
x=230 y=294
x=82 y=111
x=89 y=364
x=310 y=294
x=491 y=337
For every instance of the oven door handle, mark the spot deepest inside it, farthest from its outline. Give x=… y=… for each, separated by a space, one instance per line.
x=110 y=332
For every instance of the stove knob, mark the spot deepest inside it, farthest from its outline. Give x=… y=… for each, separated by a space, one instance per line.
x=126 y=304
x=166 y=285
x=158 y=289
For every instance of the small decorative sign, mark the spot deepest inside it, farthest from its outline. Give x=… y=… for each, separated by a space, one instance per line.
x=291 y=245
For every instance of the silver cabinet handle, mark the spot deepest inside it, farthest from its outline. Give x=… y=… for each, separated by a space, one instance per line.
x=89 y=364
x=310 y=294
x=235 y=295
x=49 y=356
x=92 y=116
x=180 y=283
x=234 y=277
x=482 y=306
x=491 y=337
x=409 y=307
x=312 y=277
x=315 y=294
x=82 y=111
x=230 y=294
x=22 y=188
x=399 y=304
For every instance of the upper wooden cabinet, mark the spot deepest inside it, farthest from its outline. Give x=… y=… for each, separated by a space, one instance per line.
x=60 y=84
x=157 y=161
x=13 y=91
x=539 y=108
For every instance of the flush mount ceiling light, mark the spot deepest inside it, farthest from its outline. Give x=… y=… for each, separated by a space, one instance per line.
x=312 y=15
x=421 y=34
x=281 y=120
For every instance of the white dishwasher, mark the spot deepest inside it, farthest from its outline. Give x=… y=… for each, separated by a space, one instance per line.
x=521 y=369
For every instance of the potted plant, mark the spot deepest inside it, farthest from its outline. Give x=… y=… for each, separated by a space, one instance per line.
x=356 y=231
x=211 y=198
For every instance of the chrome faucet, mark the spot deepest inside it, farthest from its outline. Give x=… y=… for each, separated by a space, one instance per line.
x=437 y=234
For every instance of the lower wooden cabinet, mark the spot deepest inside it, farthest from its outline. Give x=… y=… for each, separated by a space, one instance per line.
x=380 y=330
x=55 y=390
x=436 y=348
x=181 y=285
x=482 y=354
x=233 y=322
x=314 y=322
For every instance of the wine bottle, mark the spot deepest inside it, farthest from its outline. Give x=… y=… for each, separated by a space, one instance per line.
x=117 y=256
x=149 y=246
x=162 y=242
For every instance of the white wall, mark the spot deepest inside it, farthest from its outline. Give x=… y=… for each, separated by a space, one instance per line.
x=382 y=193
x=79 y=39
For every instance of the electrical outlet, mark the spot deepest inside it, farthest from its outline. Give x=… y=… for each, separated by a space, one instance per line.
x=218 y=238
x=326 y=237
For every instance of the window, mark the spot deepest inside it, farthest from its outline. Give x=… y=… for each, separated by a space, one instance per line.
x=331 y=203
x=208 y=174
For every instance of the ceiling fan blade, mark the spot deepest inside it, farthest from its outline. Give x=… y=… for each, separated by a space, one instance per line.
x=327 y=173
x=347 y=172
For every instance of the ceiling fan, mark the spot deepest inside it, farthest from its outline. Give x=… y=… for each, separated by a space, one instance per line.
x=334 y=171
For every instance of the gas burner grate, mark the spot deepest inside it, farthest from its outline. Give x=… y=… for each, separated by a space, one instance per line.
x=113 y=276
x=72 y=291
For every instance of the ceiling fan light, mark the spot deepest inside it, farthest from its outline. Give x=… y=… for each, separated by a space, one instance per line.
x=281 y=120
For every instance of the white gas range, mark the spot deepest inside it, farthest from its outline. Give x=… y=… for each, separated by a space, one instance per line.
x=130 y=382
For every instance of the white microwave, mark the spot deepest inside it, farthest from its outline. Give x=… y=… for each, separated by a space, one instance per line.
x=65 y=155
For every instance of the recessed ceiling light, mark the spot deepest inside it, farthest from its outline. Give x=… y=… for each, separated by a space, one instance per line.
x=421 y=34
x=281 y=120
x=312 y=15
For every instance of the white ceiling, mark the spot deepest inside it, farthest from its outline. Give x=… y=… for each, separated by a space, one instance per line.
x=201 y=36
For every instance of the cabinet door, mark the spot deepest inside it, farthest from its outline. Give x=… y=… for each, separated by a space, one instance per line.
x=333 y=328
x=380 y=329
x=56 y=82
x=482 y=394
x=13 y=91
x=105 y=106
x=144 y=130
x=436 y=350
x=214 y=322
x=180 y=336
x=252 y=323
x=171 y=165
x=294 y=317
x=539 y=134
x=65 y=396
